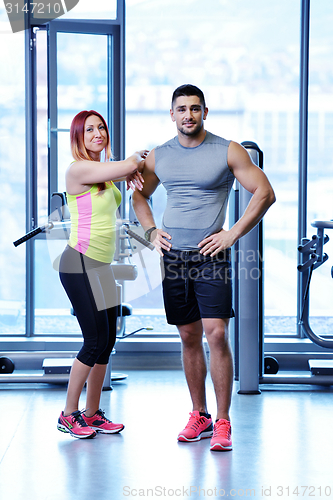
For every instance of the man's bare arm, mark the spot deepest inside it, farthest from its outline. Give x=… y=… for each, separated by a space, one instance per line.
x=142 y=208
x=253 y=179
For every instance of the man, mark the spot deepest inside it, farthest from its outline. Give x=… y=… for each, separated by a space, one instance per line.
x=197 y=169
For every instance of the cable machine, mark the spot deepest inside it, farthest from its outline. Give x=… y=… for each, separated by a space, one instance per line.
x=252 y=366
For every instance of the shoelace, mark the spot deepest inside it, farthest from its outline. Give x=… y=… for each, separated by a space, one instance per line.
x=101 y=414
x=194 y=421
x=222 y=428
x=77 y=417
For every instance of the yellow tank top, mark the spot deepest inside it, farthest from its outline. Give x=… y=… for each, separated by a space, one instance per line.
x=93 y=222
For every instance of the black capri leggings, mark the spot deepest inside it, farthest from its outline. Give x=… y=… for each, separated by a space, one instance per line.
x=91 y=288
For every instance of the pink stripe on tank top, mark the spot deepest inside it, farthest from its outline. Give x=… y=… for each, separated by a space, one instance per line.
x=84 y=208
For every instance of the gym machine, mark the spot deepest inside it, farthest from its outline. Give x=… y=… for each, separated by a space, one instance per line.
x=247 y=258
x=252 y=366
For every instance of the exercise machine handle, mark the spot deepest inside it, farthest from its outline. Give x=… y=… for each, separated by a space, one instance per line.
x=306 y=245
x=137 y=237
x=33 y=233
x=303 y=267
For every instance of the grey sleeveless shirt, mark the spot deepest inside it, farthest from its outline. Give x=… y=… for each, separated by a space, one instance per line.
x=198 y=182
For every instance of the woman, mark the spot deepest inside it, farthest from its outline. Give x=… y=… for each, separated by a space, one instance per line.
x=85 y=270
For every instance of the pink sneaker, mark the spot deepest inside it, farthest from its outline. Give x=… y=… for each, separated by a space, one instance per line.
x=221 y=440
x=75 y=425
x=100 y=423
x=198 y=427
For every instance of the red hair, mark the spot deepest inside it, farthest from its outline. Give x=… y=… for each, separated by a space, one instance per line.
x=79 y=151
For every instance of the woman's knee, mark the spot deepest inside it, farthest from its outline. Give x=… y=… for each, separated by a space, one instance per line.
x=92 y=350
x=104 y=357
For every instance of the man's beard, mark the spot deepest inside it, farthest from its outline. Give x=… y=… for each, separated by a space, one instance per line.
x=191 y=133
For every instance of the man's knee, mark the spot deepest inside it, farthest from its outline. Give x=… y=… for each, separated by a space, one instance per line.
x=217 y=332
x=191 y=334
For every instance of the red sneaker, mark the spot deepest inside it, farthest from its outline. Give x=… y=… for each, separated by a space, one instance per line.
x=221 y=440
x=100 y=423
x=198 y=427
x=75 y=425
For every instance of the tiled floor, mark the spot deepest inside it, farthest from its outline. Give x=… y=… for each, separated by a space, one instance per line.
x=282 y=440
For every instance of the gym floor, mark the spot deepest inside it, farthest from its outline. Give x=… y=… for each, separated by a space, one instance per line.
x=282 y=439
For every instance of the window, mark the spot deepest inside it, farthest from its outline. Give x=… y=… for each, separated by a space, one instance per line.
x=54 y=70
x=12 y=180
x=252 y=92
x=320 y=157
x=81 y=83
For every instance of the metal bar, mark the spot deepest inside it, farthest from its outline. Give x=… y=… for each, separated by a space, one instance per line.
x=234 y=323
x=322 y=342
x=96 y=26
x=303 y=149
x=52 y=79
x=297 y=379
x=117 y=92
x=31 y=171
x=35 y=379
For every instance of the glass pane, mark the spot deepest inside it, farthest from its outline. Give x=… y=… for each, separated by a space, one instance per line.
x=82 y=74
x=12 y=181
x=85 y=9
x=75 y=9
x=82 y=84
x=320 y=157
x=64 y=157
x=42 y=126
x=52 y=307
x=251 y=90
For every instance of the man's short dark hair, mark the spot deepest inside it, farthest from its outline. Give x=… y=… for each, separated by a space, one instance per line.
x=188 y=90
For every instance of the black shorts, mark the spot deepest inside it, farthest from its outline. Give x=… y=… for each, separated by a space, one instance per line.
x=196 y=286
